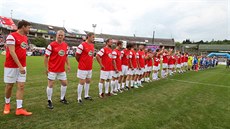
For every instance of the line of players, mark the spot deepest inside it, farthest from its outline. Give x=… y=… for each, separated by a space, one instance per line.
x=128 y=68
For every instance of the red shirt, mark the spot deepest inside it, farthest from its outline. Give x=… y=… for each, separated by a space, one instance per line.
x=125 y=57
x=106 y=58
x=57 y=53
x=141 y=58
x=171 y=60
x=186 y=58
x=178 y=60
x=117 y=57
x=20 y=43
x=165 y=57
x=174 y=59
x=133 y=56
x=156 y=61
x=86 y=52
x=146 y=60
x=182 y=58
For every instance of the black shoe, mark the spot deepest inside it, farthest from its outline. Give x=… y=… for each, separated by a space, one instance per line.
x=89 y=98
x=79 y=101
x=64 y=101
x=126 y=88
x=132 y=86
x=50 y=105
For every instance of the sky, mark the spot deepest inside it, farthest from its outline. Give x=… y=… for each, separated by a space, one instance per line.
x=179 y=19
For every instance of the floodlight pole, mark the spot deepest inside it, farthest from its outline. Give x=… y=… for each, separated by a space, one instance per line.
x=94 y=27
x=153 y=37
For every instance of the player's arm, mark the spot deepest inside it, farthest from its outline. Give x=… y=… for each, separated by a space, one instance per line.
x=114 y=61
x=78 y=52
x=130 y=60
x=98 y=57
x=15 y=58
x=138 y=62
x=46 y=58
x=68 y=64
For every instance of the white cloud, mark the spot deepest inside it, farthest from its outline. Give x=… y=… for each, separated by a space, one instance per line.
x=193 y=19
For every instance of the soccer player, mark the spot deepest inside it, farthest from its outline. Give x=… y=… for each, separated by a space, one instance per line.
x=15 y=67
x=84 y=56
x=125 y=53
x=186 y=61
x=55 y=60
x=156 y=65
x=170 y=62
x=164 y=63
x=141 y=64
x=149 y=60
x=116 y=79
x=104 y=58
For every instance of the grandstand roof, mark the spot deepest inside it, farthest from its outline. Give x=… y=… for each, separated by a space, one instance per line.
x=131 y=39
x=214 y=47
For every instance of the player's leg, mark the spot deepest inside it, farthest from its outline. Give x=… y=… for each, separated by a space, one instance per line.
x=87 y=85
x=63 y=79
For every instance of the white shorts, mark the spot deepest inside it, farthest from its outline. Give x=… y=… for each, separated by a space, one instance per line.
x=185 y=63
x=178 y=66
x=83 y=74
x=132 y=72
x=106 y=75
x=12 y=75
x=171 y=66
x=164 y=65
x=155 y=68
x=149 y=68
x=59 y=76
x=124 y=70
x=140 y=71
x=146 y=68
x=116 y=75
x=182 y=64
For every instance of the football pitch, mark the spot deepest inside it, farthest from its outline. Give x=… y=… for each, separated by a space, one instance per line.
x=194 y=100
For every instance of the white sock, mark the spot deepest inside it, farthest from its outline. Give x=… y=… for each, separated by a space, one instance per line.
x=106 y=87
x=112 y=86
x=170 y=72
x=116 y=85
x=122 y=85
x=7 y=100
x=100 y=87
x=127 y=83
x=86 y=89
x=49 y=92
x=63 y=91
x=132 y=81
x=162 y=73
x=142 y=79
x=79 y=91
x=19 y=103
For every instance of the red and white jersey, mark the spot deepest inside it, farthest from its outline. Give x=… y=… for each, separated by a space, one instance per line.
x=186 y=58
x=182 y=58
x=171 y=60
x=106 y=58
x=178 y=59
x=149 y=61
x=85 y=51
x=20 y=43
x=125 y=57
x=165 y=57
x=57 y=53
x=141 y=55
x=133 y=58
x=156 y=61
x=117 y=57
x=174 y=59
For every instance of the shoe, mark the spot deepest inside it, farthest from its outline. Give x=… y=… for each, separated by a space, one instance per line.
x=64 y=101
x=132 y=86
x=108 y=94
x=79 y=101
x=113 y=93
x=6 y=109
x=120 y=91
x=89 y=98
x=101 y=95
x=126 y=88
x=21 y=111
x=50 y=105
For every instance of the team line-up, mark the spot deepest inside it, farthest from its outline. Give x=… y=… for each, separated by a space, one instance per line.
x=121 y=69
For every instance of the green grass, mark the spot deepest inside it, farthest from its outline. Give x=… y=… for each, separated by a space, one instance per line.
x=203 y=103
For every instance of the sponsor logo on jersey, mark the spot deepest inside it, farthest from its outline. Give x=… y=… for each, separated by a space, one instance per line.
x=90 y=53
x=110 y=55
x=61 y=53
x=23 y=45
x=143 y=56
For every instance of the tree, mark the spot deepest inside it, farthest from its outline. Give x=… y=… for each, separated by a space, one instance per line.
x=40 y=42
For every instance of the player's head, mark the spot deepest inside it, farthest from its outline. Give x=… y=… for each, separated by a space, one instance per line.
x=109 y=42
x=129 y=46
x=141 y=47
x=119 y=44
x=90 y=37
x=24 y=26
x=60 y=36
x=150 y=50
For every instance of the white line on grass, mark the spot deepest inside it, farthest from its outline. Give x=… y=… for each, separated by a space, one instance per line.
x=216 y=85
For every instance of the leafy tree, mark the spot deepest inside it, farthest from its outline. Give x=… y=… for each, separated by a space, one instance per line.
x=40 y=42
